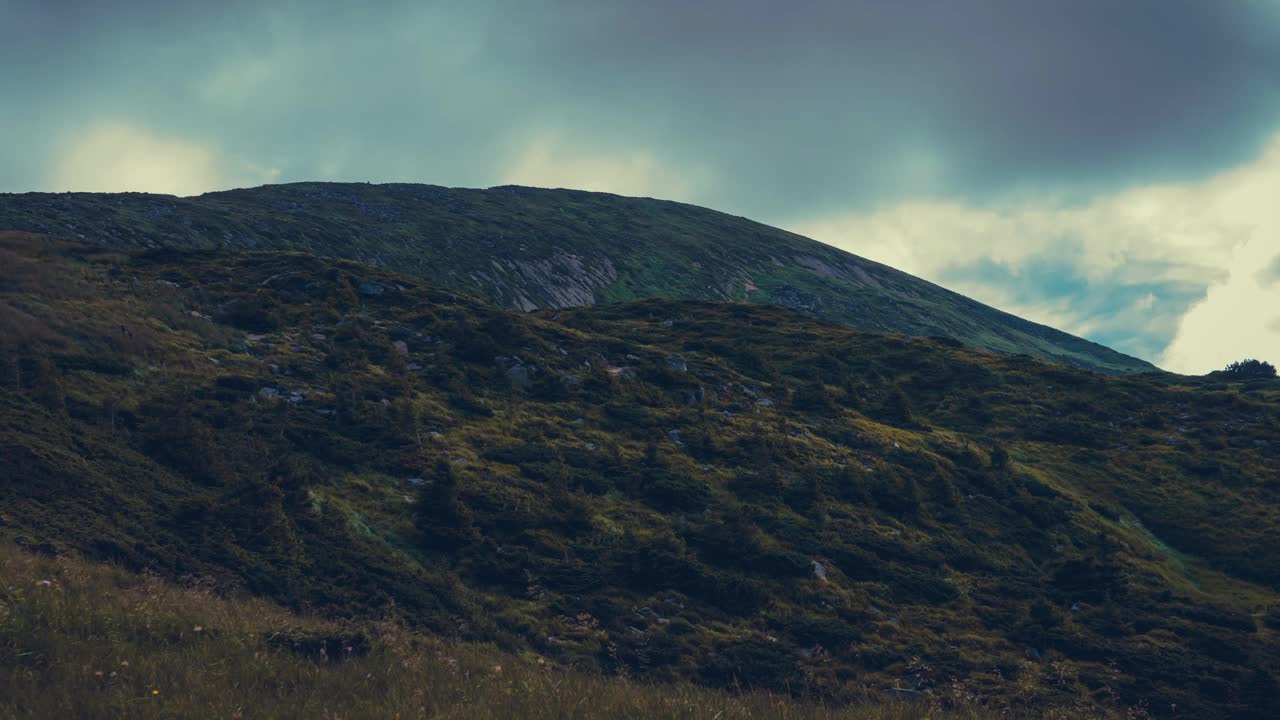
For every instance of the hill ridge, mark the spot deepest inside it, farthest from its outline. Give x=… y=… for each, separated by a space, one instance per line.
x=528 y=248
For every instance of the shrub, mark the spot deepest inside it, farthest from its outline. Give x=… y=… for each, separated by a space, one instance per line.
x=754 y=663
x=444 y=522
x=896 y=409
x=1250 y=368
x=667 y=490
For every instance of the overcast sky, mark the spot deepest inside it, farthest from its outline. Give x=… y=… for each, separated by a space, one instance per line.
x=1108 y=167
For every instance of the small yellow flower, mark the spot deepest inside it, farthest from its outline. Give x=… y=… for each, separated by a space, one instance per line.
x=155 y=692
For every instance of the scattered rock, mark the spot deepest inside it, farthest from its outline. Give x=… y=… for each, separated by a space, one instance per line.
x=372 y=289
x=317 y=336
x=675 y=437
x=519 y=376
x=677 y=363
x=819 y=570
x=402 y=347
x=269 y=392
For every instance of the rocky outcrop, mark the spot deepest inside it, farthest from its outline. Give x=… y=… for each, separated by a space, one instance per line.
x=563 y=279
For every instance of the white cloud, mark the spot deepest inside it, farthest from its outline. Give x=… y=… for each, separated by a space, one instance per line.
x=1217 y=235
x=118 y=157
x=1239 y=318
x=548 y=162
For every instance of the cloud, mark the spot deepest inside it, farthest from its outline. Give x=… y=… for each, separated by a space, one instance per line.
x=1270 y=274
x=1240 y=315
x=1239 y=318
x=810 y=108
x=1179 y=273
x=549 y=162
x=120 y=157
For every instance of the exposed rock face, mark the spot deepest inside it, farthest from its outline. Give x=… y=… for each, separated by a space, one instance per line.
x=561 y=280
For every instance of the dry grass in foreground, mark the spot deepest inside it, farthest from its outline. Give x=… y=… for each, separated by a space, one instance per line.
x=88 y=641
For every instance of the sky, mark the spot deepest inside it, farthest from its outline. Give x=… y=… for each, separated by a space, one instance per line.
x=1108 y=168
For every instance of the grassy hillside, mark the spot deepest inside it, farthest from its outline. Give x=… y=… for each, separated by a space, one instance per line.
x=529 y=248
x=731 y=494
x=79 y=640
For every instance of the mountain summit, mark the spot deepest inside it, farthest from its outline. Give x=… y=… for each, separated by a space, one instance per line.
x=530 y=248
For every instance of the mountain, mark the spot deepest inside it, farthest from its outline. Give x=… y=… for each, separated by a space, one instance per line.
x=529 y=248
x=726 y=493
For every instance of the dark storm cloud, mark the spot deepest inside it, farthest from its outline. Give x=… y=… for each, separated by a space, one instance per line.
x=830 y=102
x=795 y=108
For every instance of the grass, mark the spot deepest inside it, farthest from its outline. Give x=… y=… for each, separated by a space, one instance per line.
x=90 y=641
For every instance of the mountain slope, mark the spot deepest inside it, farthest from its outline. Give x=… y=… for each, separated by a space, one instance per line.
x=728 y=493
x=528 y=248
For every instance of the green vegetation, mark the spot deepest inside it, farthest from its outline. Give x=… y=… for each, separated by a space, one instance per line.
x=730 y=494
x=1248 y=369
x=530 y=248
x=84 y=641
